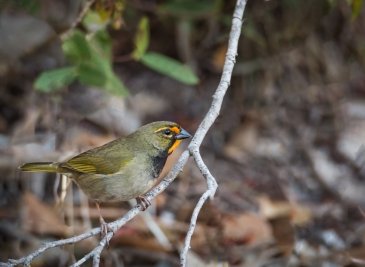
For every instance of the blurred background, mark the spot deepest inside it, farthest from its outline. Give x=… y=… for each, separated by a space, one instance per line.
x=286 y=149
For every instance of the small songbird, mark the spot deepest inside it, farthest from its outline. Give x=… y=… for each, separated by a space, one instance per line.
x=122 y=169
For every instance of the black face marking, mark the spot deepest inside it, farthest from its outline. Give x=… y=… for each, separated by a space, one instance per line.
x=158 y=163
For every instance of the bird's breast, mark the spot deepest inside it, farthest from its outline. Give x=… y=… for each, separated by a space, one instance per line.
x=133 y=180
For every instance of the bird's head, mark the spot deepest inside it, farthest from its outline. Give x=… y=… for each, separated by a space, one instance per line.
x=164 y=136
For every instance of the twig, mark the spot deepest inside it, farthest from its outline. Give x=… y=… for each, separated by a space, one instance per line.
x=193 y=150
x=212 y=188
x=27 y=260
x=208 y=121
x=78 y=20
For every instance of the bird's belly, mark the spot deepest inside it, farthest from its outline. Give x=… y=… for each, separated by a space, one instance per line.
x=115 y=187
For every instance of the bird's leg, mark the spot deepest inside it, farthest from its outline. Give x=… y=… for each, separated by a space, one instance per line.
x=143 y=202
x=104 y=227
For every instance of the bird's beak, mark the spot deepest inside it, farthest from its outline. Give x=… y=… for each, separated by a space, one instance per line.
x=182 y=135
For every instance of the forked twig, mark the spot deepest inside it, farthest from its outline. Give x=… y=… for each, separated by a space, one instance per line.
x=193 y=150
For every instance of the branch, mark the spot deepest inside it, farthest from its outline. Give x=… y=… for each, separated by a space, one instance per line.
x=78 y=20
x=208 y=121
x=193 y=150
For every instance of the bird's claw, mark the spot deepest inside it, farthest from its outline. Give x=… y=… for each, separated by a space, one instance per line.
x=143 y=202
x=105 y=229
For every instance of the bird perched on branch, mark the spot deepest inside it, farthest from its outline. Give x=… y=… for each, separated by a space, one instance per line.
x=122 y=169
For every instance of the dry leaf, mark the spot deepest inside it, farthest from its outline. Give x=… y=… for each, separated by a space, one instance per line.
x=283 y=216
x=136 y=234
x=297 y=214
x=219 y=56
x=272 y=209
x=247 y=228
x=242 y=141
x=40 y=218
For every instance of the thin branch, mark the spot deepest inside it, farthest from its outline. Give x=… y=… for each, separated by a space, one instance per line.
x=84 y=259
x=212 y=188
x=97 y=252
x=72 y=240
x=78 y=20
x=208 y=121
x=193 y=150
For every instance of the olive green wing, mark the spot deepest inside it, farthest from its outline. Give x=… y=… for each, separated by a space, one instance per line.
x=107 y=159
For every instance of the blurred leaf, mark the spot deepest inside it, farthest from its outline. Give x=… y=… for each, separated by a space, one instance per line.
x=76 y=48
x=170 y=67
x=103 y=43
x=111 y=11
x=92 y=64
x=356 y=8
x=91 y=74
x=115 y=86
x=102 y=8
x=41 y=218
x=92 y=60
x=250 y=227
x=54 y=79
x=117 y=16
x=190 y=8
x=99 y=73
x=142 y=39
x=219 y=57
x=94 y=21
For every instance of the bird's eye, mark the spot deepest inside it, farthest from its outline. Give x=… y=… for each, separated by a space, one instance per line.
x=167 y=132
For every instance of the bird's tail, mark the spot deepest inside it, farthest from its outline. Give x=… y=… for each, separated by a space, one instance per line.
x=40 y=167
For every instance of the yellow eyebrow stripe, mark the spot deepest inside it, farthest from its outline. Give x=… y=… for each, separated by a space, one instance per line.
x=173 y=129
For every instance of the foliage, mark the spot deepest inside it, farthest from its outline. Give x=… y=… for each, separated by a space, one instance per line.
x=158 y=62
x=141 y=39
x=49 y=80
x=90 y=55
x=169 y=67
x=356 y=6
x=91 y=65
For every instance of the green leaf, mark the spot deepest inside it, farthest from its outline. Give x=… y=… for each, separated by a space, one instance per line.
x=356 y=8
x=115 y=86
x=91 y=74
x=170 y=67
x=52 y=80
x=76 y=48
x=98 y=72
x=94 y=22
x=92 y=60
x=142 y=39
x=102 y=42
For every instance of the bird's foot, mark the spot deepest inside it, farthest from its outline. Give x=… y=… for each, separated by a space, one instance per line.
x=104 y=229
x=143 y=202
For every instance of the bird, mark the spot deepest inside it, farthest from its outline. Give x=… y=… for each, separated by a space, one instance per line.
x=123 y=169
